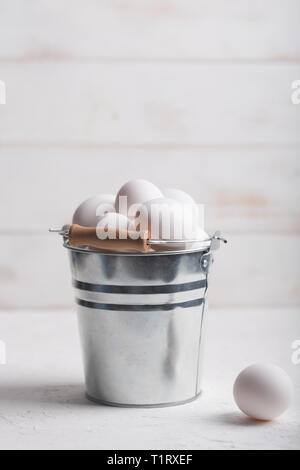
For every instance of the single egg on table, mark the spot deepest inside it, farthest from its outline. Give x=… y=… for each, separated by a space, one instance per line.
x=263 y=391
x=90 y=211
x=133 y=193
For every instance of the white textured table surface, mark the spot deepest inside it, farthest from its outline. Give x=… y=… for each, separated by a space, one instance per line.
x=42 y=403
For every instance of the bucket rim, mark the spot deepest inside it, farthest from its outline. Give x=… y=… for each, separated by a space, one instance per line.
x=200 y=249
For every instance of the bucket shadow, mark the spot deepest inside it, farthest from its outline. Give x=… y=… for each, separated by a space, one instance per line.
x=58 y=394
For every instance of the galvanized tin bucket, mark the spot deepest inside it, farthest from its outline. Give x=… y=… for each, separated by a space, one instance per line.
x=141 y=320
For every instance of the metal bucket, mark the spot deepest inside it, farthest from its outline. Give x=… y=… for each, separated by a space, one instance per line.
x=141 y=323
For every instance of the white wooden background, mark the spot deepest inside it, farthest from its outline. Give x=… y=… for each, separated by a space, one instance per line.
x=187 y=93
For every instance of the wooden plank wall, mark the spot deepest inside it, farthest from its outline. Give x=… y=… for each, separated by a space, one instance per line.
x=188 y=93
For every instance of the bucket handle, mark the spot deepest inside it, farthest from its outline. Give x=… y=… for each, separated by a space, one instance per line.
x=82 y=236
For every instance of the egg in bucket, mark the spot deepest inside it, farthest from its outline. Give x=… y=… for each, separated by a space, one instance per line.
x=140 y=311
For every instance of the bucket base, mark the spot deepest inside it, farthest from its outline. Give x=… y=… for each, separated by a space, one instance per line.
x=158 y=405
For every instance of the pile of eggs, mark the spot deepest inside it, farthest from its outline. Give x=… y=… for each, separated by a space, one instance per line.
x=138 y=197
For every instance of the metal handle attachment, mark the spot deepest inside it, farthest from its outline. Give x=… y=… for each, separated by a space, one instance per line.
x=215 y=241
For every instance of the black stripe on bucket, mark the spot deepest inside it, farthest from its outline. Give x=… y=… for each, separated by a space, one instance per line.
x=139 y=308
x=163 y=289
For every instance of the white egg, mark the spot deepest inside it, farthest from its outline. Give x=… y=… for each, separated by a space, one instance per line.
x=166 y=220
x=199 y=235
x=135 y=192
x=90 y=211
x=186 y=199
x=178 y=195
x=263 y=391
x=115 y=220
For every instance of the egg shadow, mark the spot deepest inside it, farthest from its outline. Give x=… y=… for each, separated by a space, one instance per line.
x=238 y=419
